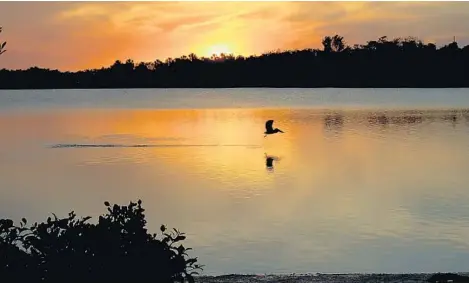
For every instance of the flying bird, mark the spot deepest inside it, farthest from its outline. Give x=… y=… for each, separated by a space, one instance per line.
x=269 y=130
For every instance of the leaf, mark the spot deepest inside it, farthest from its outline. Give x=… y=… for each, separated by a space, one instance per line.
x=180 y=238
x=163 y=228
x=3 y=45
x=62 y=223
x=24 y=220
x=8 y=223
x=181 y=249
x=106 y=203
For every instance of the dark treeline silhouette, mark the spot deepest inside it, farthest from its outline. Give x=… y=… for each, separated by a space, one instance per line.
x=383 y=62
x=116 y=249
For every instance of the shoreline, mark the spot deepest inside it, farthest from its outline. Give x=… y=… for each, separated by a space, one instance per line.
x=397 y=86
x=327 y=278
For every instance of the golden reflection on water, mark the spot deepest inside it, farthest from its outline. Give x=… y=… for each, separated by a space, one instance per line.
x=343 y=185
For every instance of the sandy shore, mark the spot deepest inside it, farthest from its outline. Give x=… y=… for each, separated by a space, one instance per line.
x=327 y=278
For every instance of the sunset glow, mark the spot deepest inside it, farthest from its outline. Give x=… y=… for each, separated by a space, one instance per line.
x=218 y=50
x=79 y=35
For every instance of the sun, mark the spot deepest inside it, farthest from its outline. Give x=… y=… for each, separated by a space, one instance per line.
x=219 y=49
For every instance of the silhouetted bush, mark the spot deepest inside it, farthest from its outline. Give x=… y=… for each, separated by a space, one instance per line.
x=116 y=249
x=2 y=44
x=448 y=277
x=392 y=63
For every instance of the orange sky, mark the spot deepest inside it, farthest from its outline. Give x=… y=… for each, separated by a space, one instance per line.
x=78 y=35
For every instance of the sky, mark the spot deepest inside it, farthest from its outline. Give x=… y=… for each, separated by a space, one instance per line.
x=70 y=36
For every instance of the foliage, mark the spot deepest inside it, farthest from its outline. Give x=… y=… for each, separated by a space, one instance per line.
x=399 y=62
x=116 y=249
x=333 y=44
x=448 y=277
x=2 y=44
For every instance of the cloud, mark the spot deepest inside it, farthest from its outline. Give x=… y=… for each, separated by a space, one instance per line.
x=359 y=22
x=71 y=35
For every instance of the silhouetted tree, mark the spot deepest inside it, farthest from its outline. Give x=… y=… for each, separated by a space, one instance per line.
x=338 y=43
x=2 y=44
x=116 y=249
x=327 y=44
x=398 y=62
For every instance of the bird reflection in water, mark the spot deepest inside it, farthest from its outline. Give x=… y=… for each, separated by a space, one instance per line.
x=269 y=161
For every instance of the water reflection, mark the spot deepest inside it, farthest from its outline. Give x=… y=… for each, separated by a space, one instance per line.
x=415 y=117
x=384 y=120
x=386 y=187
x=269 y=161
x=334 y=121
x=333 y=124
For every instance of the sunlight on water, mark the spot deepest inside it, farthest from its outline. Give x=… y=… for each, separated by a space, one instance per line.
x=347 y=191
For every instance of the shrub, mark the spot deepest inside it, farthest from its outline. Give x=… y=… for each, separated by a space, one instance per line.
x=2 y=45
x=116 y=249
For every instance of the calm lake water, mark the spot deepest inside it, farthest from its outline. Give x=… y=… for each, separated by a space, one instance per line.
x=361 y=181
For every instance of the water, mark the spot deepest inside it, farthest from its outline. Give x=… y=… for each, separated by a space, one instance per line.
x=361 y=181
x=34 y=100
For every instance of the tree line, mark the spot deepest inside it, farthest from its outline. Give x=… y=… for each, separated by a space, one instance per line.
x=398 y=62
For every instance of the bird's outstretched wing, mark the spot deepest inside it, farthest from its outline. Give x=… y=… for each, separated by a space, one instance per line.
x=268 y=125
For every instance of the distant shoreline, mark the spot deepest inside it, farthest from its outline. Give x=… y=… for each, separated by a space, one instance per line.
x=326 y=278
x=249 y=87
x=382 y=63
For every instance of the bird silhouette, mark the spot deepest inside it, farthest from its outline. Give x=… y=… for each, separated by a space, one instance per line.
x=269 y=161
x=269 y=130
